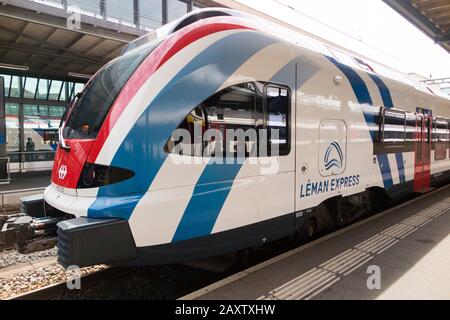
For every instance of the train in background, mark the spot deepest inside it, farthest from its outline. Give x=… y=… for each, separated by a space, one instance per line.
x=352 y=133
x=40 y=140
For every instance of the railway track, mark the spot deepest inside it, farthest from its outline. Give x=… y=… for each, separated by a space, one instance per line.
x=86 y=281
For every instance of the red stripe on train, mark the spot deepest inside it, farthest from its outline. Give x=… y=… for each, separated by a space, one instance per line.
x=150 y=65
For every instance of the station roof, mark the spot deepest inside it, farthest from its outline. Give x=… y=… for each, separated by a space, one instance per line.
x=38 y=37
x=430 y=16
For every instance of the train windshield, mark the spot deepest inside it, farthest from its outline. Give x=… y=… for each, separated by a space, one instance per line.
x=86 y=117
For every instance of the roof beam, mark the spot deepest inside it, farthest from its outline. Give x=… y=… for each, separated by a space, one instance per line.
x=71 y=44
x=430 y=5
x=4 y=54
x=75 y=41
x=426 y=16
x=115 y=52
x=50 y=53
x=18 y=34
x=444 y=38
x=96 y=45
x=40 y=43
x=410 y=13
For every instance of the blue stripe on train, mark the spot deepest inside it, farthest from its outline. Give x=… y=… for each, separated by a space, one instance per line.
x=387 y=101
x=207 y=200
x=142 y=151
x=360 y=89
x=401 y=167
x=385 y=169
x=384 y=90
x=363 y=96
x=216 y=181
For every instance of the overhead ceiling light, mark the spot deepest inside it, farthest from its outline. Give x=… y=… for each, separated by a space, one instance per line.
x=14 y=67
x=80 y=75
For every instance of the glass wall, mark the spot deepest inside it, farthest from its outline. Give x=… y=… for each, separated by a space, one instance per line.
x=446 y=90
x=29 y=86
x=151 y=14
x=12 y=127
x=122 y=10
x=33 y=111
x=40 y=89
x=176 y=9
x=144 y=14
x=87 y=6
x=14 y=87
x=196 y=6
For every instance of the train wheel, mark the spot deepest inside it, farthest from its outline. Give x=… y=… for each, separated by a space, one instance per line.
x=340 y=219
x=242 y=259
x=378 y=201
x=308 y=229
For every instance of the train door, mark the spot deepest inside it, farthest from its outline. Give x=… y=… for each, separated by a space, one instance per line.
x=422 y=166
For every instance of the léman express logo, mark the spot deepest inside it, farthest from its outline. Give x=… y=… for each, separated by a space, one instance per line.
x=333 y=156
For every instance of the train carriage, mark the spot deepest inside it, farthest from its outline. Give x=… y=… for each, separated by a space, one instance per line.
x=327 y=135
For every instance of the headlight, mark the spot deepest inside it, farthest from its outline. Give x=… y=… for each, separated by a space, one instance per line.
x=96 y=175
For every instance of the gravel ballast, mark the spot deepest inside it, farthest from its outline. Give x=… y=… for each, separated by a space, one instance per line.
x=27 y=281
x=12 y=257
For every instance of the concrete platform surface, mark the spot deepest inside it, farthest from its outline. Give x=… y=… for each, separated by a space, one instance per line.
x=22 y=184
x=27 y=180
x=403 y=253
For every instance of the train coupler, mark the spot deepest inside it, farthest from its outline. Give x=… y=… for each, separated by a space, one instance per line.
x=28 y=234
x=34 y=229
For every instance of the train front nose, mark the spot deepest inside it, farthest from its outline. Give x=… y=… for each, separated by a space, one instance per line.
x=86 y=186
x=69 y=163
x=109 y=239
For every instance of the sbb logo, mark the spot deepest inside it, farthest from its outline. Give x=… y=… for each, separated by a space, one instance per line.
x=62 y=172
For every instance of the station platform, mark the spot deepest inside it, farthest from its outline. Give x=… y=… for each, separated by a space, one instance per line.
x=22 y=184
x=402 y=253
x=27 y=180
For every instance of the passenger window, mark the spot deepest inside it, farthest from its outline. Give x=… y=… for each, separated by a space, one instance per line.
x=277 y=104
x=410 y=134
x=448 y=143
x=229 y=124
x=440 y=139
x=228 y=111
x=211 y=129
x=394 y=127
x=378 y=120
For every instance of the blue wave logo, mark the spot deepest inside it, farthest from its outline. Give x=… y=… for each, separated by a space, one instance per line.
x=333 y=156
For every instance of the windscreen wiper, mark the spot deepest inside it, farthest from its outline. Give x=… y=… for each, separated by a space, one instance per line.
x=62 y=142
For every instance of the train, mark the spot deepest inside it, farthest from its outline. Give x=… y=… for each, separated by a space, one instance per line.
x=222 y=131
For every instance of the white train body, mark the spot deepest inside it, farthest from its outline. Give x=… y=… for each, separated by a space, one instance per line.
x=342 y=138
